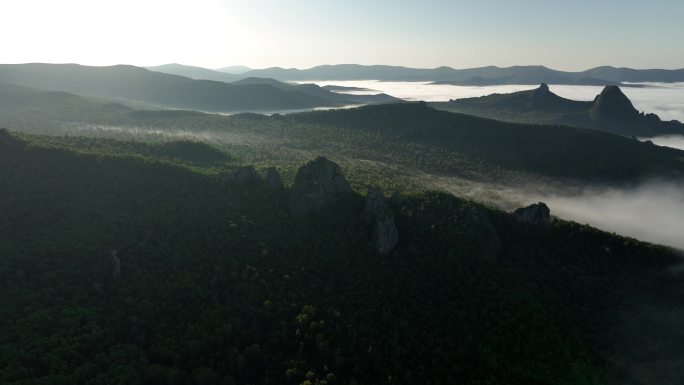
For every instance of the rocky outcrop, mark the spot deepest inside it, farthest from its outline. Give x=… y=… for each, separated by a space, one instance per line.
x=273 y=179
x=537 y=214
x=318 y=184
x=378 y=213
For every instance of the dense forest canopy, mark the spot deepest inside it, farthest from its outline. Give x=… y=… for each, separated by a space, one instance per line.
x=141 y=263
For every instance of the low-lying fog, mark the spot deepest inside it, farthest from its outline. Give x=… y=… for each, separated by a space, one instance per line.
x=664 y=99
x=652 y=211
x=674 y=141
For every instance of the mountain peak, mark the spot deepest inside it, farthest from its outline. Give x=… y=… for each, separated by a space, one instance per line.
x=614 y=104
x=542 y=93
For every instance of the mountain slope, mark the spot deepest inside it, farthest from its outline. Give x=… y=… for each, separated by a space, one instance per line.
x=610 y=111
x=143 y=270
x=134 y=83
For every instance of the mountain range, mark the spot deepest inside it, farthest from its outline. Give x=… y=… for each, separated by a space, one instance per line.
x=610 y=111
x=167 y=90
x=481 y=76
x=171 y=246
x=412 y=135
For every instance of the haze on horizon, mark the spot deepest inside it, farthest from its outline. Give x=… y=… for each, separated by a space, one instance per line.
x=264 y=33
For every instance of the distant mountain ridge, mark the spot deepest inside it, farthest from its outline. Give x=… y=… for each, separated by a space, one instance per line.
x=234 y=69
x=139 y=84
x=610 y=111
x=197 y=73
x=473 y=76
x=480 y=76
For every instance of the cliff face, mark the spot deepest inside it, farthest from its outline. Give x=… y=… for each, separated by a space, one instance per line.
x=378 y=213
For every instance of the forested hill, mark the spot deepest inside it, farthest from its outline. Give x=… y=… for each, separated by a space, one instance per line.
x=409 y=134
x=545 y=149
x=127 y=263
x=141 y=85
x=610 y=111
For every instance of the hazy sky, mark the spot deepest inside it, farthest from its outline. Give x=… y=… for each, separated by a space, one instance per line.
x=561 y=34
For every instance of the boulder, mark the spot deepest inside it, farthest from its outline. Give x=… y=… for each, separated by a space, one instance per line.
x=378 y=213
x=537 y=214
x=318 y=184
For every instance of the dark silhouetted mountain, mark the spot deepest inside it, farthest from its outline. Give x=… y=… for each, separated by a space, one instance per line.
x=138 y=84
x=611 y=105
x=610 y=111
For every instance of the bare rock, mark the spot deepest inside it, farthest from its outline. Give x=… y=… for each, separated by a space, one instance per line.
x=377 y=212
x=537 y=214
x=318 y=184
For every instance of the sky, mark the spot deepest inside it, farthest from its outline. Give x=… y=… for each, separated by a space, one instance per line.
x=565 y=35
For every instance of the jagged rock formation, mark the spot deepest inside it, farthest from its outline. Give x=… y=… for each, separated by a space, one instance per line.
x=318 y=184
x=273 y=179
x=537 y=214
x=378 y=213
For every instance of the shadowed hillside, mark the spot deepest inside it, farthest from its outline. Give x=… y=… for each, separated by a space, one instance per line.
x=125 y=265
